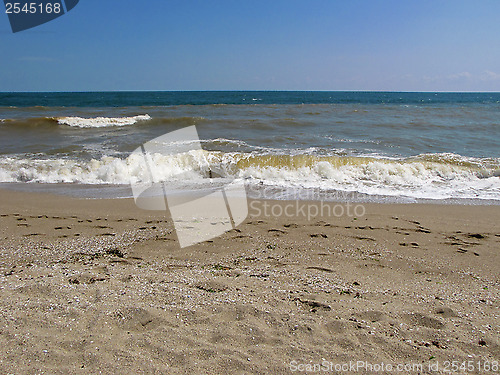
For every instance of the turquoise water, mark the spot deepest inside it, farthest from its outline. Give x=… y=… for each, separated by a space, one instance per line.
x=408 y=146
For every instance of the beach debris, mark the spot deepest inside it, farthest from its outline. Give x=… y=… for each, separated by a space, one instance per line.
x=220 y=267
x=438 y=344
x=211 y=286
x=115 y=252
x=260 y=275
x=85 y=278
x=314 y=305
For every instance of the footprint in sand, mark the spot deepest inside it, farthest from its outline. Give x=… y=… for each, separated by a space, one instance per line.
x=364 y=238
x=314 y=305
x=421 y=320
x=318 y=235
x=85 y=278
x=257 y=222
x=471 y=235
x=276 y=232
x=335 y=327
x=423 y=230
x=240 y=236
x=372 y=316
x=320 y=269
x=135 y=319
x=211 y=286
x=445 y=312
x=321 y=223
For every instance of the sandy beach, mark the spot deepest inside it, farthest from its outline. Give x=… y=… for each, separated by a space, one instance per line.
x=100 y=286
x=232 y=188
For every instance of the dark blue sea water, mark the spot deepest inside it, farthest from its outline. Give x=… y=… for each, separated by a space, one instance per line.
x=170 y=98
x=407 y=146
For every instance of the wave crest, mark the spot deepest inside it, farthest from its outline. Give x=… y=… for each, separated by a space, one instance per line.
x=437 y=176
x=100 y=122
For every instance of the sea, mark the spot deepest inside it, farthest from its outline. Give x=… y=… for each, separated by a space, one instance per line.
x=395 y=147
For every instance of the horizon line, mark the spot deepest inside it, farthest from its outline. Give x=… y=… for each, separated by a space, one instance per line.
x=172 y=91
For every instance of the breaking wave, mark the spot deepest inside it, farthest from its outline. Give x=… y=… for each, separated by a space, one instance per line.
x=428 y=176
x=100 y=122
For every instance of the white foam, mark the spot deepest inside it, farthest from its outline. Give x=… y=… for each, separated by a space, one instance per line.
x=100 y=122
x=416 y=178
x=107 y=170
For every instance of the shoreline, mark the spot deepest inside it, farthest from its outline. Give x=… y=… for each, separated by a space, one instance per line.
x=109 y=191
x=100 y=285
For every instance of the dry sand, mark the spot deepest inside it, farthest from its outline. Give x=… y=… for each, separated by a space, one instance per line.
x=99 y=286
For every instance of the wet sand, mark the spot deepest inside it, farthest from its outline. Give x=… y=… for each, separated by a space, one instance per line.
x=100 y=286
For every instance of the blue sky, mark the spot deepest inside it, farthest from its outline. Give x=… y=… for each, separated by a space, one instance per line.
x=389 y=45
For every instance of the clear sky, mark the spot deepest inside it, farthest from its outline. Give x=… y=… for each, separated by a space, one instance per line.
x=394 y=45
